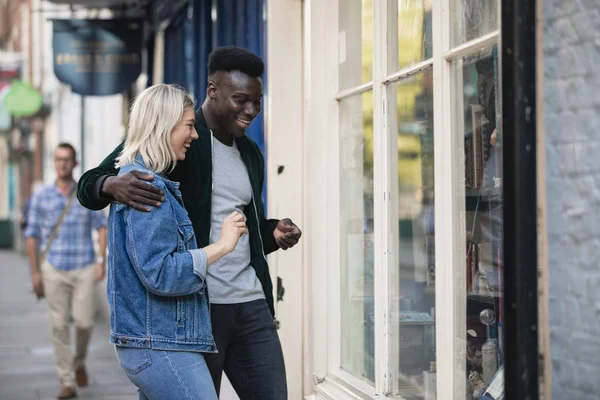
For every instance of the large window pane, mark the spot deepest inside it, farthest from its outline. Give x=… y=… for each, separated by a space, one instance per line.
x=410 y=28
x=412 y=277
x=356 y=216
x=479 y=183
x=355 y=42
x=473 y=19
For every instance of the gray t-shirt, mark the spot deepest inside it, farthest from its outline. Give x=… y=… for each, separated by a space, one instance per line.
x=231 y=279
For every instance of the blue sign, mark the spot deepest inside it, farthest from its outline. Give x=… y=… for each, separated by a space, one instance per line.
x=97 y=57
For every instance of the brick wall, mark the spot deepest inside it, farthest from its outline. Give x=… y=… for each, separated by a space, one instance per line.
x=571 y=48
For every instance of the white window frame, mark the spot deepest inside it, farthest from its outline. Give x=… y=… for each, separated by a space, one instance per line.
x=322 y=172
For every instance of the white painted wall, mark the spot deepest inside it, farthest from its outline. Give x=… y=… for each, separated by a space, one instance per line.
x=284 y=133
x=317 y=105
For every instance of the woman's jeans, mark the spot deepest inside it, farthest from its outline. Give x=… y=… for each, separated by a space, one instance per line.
x=167 y=375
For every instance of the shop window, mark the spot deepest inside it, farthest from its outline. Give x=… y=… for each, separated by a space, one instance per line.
x=472 y=19
x=420 y=200
x=357 y=314
x=410 y=30
x=479 y=177
x=356 y=235
x=411 y=276
x=355 y=41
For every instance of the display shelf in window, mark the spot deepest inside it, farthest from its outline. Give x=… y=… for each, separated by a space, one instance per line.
x=490 y=192
x=483 y=218
x=481 y=298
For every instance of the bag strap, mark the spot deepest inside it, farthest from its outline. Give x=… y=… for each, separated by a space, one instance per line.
x=58 y=224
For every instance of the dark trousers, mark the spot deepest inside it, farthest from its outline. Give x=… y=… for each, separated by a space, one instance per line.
x=249 y=351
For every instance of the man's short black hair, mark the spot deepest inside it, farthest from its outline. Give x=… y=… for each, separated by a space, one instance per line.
x=233 y=58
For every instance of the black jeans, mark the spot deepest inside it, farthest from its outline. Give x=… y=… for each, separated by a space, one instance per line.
x=249 y=351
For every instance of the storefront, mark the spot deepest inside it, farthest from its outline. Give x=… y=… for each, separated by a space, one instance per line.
x=404 y=201
x=387 y=145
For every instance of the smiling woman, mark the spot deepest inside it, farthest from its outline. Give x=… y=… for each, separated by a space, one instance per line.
x=183 y=134
x=155 y=262
x=161 y=128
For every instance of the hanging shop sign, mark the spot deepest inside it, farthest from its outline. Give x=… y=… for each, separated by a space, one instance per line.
x=22 y=100
x=97 y=57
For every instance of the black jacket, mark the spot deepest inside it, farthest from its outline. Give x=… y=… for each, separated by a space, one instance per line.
x=195 y=176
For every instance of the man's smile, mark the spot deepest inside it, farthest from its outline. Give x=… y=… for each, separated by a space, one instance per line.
x=244 y=123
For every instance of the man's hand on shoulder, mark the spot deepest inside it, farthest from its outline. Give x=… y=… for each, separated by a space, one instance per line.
x=132 y=190
x=286 y=234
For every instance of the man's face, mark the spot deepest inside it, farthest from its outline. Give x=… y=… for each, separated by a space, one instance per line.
x=237 y=99
x=64 y=162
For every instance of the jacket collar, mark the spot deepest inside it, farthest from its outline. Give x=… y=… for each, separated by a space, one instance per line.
x=200 y=120
x=172 y=186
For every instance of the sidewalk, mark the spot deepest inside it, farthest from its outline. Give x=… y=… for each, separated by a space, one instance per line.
x=26 y=354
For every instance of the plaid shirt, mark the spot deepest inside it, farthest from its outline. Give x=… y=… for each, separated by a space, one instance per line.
x=72 y=247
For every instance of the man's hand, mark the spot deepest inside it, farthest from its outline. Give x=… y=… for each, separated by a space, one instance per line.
x=131 y=190
x=99 y=273
x=286 y=234
x=37 y=284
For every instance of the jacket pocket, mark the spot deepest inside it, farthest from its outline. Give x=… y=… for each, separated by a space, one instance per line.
x=133 y=360
x=186 y=240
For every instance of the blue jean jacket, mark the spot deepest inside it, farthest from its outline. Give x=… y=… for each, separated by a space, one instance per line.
x=156 y=278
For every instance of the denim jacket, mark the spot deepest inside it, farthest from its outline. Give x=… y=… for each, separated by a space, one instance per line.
x=156 y=275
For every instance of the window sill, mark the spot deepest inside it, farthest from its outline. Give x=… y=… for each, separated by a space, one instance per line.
x=329 y=389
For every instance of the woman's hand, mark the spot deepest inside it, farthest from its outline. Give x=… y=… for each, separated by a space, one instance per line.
x=233 y=227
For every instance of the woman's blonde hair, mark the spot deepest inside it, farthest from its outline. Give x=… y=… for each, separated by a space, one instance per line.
x=154 y=114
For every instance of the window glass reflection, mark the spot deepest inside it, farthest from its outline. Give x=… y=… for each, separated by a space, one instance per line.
x=356 y=233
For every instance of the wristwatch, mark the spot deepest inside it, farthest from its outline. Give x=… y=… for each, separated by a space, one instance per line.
x=100 y=260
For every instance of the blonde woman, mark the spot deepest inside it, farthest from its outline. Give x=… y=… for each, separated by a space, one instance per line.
x=160 y=320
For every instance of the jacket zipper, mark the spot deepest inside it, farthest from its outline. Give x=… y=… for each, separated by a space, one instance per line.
x=212 y=181
x=262 y=247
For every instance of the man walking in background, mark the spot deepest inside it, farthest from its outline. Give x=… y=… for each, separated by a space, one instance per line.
x=64 y=266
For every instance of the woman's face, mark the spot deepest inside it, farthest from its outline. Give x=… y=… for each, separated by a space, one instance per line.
x=183 y=134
